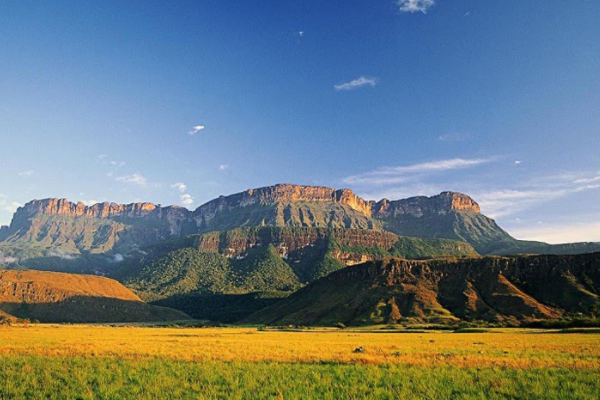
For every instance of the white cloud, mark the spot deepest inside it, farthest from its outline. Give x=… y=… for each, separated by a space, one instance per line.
x=102 y=157
x=26 y=173
x=400 y=174
x=518 y=162
x=6 y=259
x=196 y=129
x=90 y=202
x=413 y=6
x=135 y=179
x=62 y=255
x=357 y=83
x=180 y=186
x=11 y=207
x=223 y=167
x=118 y=258
x=186 y=199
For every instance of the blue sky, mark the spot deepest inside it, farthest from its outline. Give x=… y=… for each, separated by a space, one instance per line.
x=179 y=102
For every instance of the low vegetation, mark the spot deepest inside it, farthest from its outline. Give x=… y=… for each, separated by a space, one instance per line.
x=45 y=361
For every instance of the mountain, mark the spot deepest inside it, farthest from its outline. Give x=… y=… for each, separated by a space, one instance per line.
x=53 y=224
x=58 y=297
x=63 y=230
x=286 y=205
x=495 y=289
x=260 y=260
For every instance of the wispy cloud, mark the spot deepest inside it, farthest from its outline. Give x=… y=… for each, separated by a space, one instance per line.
x=357 y=83
x=223 y=167
x=502 y=203
x=180 y=186
x=7 y=205
x=400 y=174
x=196 y=129
x=26 y=173
x=134 y=179
x=588 y=180
x=104 y=159
x=413 y=6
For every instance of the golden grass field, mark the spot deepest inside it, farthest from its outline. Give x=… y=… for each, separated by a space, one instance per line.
x=143 y=362
x=506 y=348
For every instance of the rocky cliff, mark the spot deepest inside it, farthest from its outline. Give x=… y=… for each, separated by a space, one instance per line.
x=52 y=224
x=499 y=289
x=73 y=228
x=286 y=205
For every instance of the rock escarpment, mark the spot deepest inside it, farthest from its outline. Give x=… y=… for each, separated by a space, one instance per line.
x=74 y=228
x=500 y=289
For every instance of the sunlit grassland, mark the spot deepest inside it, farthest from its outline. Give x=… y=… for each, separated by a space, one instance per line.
x=51 y=361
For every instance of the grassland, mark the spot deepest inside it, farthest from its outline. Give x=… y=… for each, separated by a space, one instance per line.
x=52 y=361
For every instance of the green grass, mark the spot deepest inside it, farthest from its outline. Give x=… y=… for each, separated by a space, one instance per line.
x=29 y=377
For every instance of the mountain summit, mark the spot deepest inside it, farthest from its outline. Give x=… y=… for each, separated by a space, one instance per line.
x=50 y=224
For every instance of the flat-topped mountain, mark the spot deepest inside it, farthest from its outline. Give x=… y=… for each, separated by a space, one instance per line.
x=58 y=297
x=42 y=226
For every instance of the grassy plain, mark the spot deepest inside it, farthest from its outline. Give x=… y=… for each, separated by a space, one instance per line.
x=52 y=361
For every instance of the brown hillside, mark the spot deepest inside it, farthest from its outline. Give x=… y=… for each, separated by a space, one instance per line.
x=493 y=289
x=59 y=297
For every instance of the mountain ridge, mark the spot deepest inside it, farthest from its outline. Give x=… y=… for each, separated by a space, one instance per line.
x=43 y=225
x=493 y=289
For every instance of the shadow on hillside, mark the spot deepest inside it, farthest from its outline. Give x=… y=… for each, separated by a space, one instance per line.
x=225 y=308
x=89 y=309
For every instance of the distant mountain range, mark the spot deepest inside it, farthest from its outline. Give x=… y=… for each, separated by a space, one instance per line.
x=258 y=245
x=50 y=225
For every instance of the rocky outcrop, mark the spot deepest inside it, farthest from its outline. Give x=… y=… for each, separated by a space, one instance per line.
x=237 y=242
x=58 y=297
x=443 y=203
x=74 y=227
x=501 y=289
x=101 y=210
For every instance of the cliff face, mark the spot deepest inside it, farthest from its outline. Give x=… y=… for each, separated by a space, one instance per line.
x=101 y=210
x=58 y=297
x=441 y=204
x=286 y=241
x=75 y=228
x=494 y=289
x=286 y=205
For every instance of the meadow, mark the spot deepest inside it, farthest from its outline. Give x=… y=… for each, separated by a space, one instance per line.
x=85 y=361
